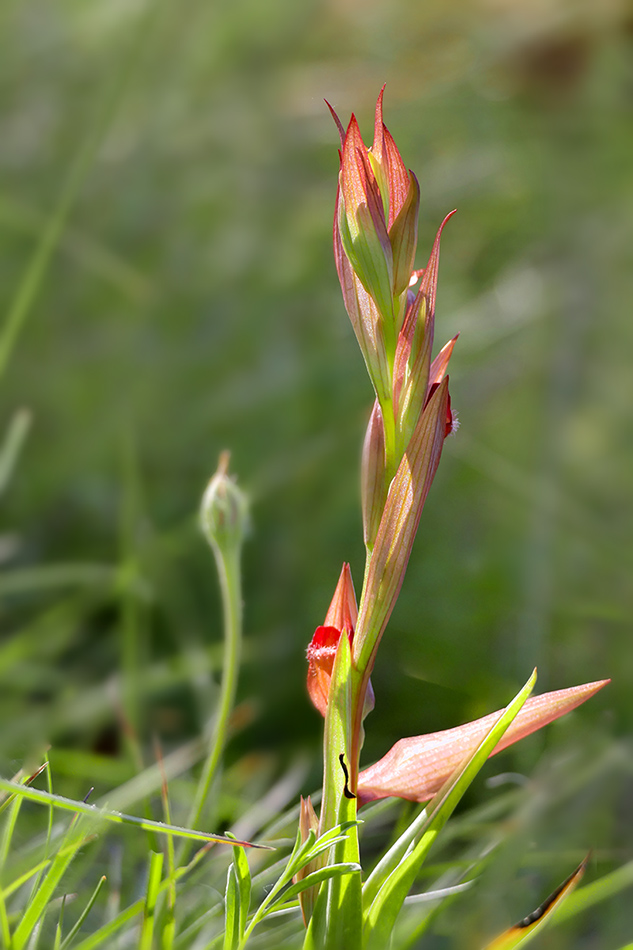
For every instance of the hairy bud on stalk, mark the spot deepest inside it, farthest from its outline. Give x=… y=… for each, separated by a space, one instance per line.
x=224 y=510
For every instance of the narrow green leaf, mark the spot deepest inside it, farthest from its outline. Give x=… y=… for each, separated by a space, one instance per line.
x=9 y=828
x=527 y=928
x=151 y=896
x=42 y=896
x=322 y=874
x=5 y=930
x=602 y=889
x=231 y=911
x=381 y=915
x=72 y=933
x=103 y=814
x=60 y=925
x=103 y=934
x=390 y=860
x=169 y=927
x=243 y=878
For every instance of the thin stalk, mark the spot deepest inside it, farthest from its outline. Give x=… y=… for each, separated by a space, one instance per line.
x=228 y=565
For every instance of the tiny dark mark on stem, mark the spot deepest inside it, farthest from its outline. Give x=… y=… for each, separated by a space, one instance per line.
x=346 y=790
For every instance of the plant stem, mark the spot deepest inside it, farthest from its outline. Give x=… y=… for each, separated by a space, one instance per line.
x=228 y=565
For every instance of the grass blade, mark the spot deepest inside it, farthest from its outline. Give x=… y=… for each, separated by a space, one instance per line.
x=597 y=891
x=380 y=917
x=103 y=814
x=522 y=933
x=151 y=896
x=72 y=933
x=42 y=896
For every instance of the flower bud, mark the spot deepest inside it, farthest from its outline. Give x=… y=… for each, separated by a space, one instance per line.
x=340 y=620
x=224 y=510
x=373 y=476
x=308 y=821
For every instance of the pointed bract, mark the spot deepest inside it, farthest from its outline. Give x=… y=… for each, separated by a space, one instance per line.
x=373 y=476
x=363 y=314
x=341 y=618
x=398 y=525
x=417 y=767
x=539 y=918
x=412 y=376
x=308 y=821
x=389 y=168
x=361 y=222
x=343 y=612
x=403 y=235
x=440 y=363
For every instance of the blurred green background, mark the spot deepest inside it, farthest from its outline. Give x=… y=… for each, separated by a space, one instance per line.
x=180 y=162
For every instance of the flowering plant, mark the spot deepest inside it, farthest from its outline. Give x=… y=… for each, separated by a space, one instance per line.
x=391 y=306
x=346 y=903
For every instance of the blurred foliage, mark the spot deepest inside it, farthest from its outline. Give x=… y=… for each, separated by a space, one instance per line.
x=191 y=305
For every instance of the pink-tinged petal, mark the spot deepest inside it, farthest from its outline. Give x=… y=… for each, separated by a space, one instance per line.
x=377 y=148
x=428 y=286
x=363 y=314
x=440 y=363
x=362 y=228
x=391 y=171
x=340 y=618
x=308 y=821
x=373 y=476
x=343 y=612
x=411 y=373
x=398 y=526
x=358 y=183
x=403 y=234
x=413 y=352
x=398 y=178
x=339 y=124
x=417 y=767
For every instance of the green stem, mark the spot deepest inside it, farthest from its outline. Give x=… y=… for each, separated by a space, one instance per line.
x=228 y=565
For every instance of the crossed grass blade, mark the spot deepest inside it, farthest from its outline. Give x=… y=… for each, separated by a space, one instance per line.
x=380 y=916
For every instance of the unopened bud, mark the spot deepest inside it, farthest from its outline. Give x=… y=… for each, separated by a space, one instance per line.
x=308 y=822
x=224 y=510
x=373 y=476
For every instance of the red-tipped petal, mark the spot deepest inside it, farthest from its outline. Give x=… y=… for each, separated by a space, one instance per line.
x=341 y=616
x=358 y=182
x=339 y=124
x=417 y=767
x=397 y=176
x=343 y=612
x=428 y=282
x=403 y=234
x=440 y=363
x=393 y=171
x=379 y=128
